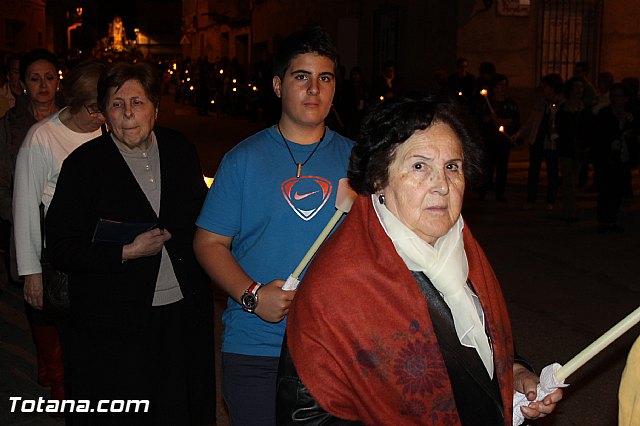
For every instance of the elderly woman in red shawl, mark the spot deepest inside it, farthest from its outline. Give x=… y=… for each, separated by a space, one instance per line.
x=400 y=318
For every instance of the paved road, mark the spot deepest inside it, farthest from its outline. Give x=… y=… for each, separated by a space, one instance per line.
x=565 y=285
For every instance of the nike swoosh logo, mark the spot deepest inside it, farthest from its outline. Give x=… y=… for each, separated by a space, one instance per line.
x=299 y=197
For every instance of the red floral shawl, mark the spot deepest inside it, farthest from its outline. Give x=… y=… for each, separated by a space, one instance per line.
x=361 y=338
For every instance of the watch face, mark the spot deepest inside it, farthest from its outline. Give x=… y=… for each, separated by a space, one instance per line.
x=249 y=301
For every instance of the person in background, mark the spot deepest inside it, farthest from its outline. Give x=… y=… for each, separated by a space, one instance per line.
x=629 y=391
x=387 y=85
x=498 y=124
x=462 y=84
x=4 y=92
x=273 y=194
x=38 y=165
x=486 y=71
x=428 y=341
x=632 y=85
x=39 y=78
x=581 y=70
x=540 y=133
x=355 y=101
x=141 y=320
x=12 y=88
x=603 y=85
x=616 y=139
x=574 y=126
x=45 y=147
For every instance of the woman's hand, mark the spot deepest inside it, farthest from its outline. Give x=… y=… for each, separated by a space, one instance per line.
x=526 y=382
x=273 y=301
x=146 y=244
x=33 y=290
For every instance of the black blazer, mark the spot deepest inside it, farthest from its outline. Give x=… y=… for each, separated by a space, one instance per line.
x=110 y=339
x=95 y=182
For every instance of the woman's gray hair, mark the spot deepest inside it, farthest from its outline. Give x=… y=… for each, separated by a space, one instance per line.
x=118 y=73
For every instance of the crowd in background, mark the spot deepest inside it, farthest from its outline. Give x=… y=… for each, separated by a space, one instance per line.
x=577 y=117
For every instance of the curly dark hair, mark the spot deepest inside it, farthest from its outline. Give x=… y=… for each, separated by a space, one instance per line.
x=390 y=124
x=307 y=40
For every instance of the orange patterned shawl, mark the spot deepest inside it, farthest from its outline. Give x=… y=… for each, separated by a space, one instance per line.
x=361 y=338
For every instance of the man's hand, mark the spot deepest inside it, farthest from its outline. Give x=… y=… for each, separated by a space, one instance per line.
x=273 y=301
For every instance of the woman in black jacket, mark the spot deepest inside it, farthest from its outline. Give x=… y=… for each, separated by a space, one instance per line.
x=141 y=308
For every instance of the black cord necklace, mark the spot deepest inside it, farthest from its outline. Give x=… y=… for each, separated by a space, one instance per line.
x=299 y=165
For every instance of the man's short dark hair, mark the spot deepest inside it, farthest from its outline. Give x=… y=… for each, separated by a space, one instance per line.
x=307 y=40
x=487 y=68
x=389 y=124
x=554 y=81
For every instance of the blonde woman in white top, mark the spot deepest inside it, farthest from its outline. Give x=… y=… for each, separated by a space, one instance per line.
x=38 y=164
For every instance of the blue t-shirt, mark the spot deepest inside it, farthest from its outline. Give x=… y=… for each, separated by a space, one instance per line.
x=273 y=217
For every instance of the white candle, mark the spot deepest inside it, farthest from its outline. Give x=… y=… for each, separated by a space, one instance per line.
x=602 y=342
x=485 y=95
x=316 y=244
x=344 y=200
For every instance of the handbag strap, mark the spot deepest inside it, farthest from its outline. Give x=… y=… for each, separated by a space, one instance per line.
x=43 y=254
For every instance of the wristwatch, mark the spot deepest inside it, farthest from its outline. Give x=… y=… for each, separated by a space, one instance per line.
x=249 y=299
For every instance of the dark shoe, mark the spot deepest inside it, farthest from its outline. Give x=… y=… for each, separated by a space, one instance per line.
x=572 y=219
x=501 y=199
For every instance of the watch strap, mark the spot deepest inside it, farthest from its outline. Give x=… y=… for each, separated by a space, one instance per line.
x=253 y=288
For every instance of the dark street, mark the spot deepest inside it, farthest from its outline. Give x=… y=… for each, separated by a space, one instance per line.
x=565 y=285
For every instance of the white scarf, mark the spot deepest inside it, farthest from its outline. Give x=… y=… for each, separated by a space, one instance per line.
x=446 y=265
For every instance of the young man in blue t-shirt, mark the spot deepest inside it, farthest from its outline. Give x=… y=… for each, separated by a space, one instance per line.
x=273 y=194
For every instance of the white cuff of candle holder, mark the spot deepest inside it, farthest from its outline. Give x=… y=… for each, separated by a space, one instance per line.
x=291 y=283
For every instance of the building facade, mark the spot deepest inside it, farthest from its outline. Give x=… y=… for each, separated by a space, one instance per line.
x=23 y=25
x=525 y=39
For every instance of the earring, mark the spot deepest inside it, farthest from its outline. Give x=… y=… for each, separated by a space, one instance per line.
x=24 y=91
x=381 y=198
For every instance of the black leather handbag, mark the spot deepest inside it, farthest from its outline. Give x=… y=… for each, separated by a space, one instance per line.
x=55 y=292
x=55 y=283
